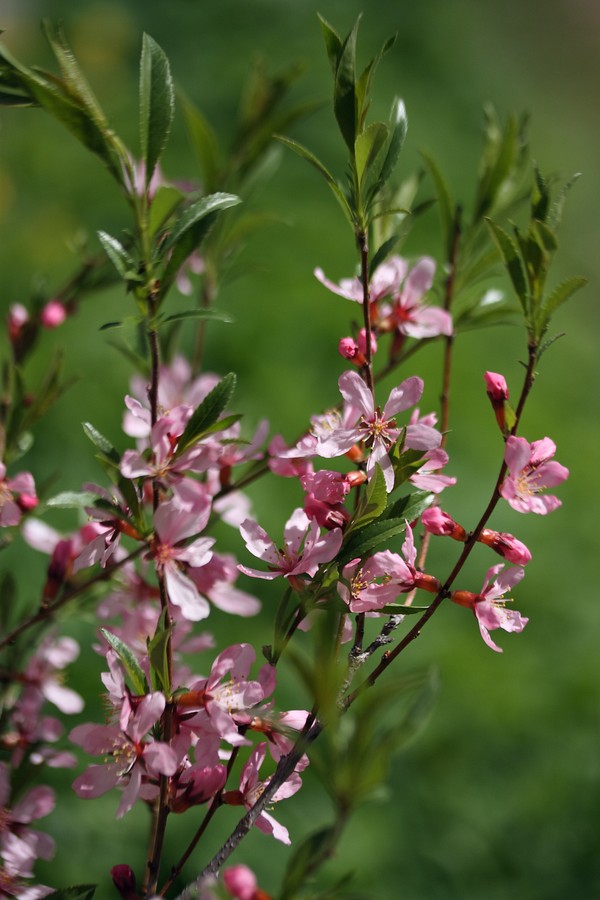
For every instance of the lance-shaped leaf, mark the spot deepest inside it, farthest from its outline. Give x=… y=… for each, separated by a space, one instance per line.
x=75 y=892
x=399 y=125
x=367 y=148
x=214 y=315
x=208 y=412
x=157 y=103
x=446 y=204
x=344 y=90
x=74 y=77
x=158 y=653
x=314 y=161
x=204 y=142
x=188 y=231
x=101 y=442
x=333 y=42
x=132 y=667
x=119 y=257
x=372 y=503
x=559 y=295
x=513 y=262
x=72 y=500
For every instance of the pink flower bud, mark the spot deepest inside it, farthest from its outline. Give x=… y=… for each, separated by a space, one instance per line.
x=17 y=318
x=241 y=882
x=436 y=521
x=348 y=348
x=124 y=881
x=506 y=545
x=53 y=314
x=27 y=502
x=496 y=387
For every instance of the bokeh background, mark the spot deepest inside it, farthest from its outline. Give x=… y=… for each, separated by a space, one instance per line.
x=500 y=795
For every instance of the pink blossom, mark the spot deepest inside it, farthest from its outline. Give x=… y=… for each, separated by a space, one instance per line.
x=304 y=549
x=497 y=388
x=17 y=495
x=531 y=469
x=20 y=845
x=427 y=477
x=175 y=520
x=506 y=545
x=408 y=314
x=377 y=429
x=215 y=581
x=386 y=279
x=489 y=606
x=132 y=760
x=251 y=789
x=436 y=521
x=241 y=882
x=376 y=583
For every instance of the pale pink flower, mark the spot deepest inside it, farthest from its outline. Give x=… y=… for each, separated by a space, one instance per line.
x=531 y=470
x=20 y=845
x=376 y=428
x=175 y=520
x=408 y=314
x=132 y=760
x=376 y=583
x=427 y=477
x=251 y=789
x=386 y=279
x=17 y=495
x=215 y=581
x=303 y=552
x=53 y=314
x=489 y=605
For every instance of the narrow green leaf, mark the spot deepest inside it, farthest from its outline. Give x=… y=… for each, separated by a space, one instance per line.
x=208 y=412
x=157 y=103
x=119 y=256
x=445 y=202
x=382 y=253
x=399 y=124
x=367 y=147
x=312 y=159
x=344 y=90
x=363 y=83
x=367 y=539
x=158 y=655
x=102 y=443
x=75 y=892
x=164 y=203
x=512 y=260
x=307 y=857
x=72 y=500
x=333 y=43
x=133 y=669
x=72 y=73
x=371 y=505
x=204 y=142
x=217 y=315
x=499 y=156
x=560 y=295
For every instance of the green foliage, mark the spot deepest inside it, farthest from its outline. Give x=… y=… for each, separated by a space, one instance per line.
x=132 y=668
x=157 y=104
x=207 y=414
x=75 y=892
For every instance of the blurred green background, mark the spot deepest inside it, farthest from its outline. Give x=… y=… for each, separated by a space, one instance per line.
x=500 y=795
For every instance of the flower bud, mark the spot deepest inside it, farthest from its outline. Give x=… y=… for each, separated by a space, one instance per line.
x=124 y=881
x=53 y=314
x=497 y=391
x=506 y=545
x=349 y=349
x=436 y=521
x=241 y=882
x=17 y=318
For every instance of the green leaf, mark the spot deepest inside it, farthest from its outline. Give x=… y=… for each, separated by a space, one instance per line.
x=499 y=155
x=560 y=295
x=333 y=43
x=119 y=257
x=217 y=315
x=204 y=143
x=75 y=892
x=208 y=412
x=382 y=253
x=367 y=147
x=188 y=231
x=72 y=73
x=409 y=507
x=445 y=202
x=513 y=262
x=399 y=123
x=364 y=541
x=132 y=667
x=164 y=203
x=312 y=159
x=158 y=653
x=157 y=103
x=371 y=505
x=344 y=90
x=72 y=500
x=102 y=443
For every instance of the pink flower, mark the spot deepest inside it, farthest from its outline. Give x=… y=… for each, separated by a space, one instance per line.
x=132 y=760
x=186 y=514
x=304 y=549
x=531 y=470
x=409 y=315
x=506 y=545
x=436 y=521
x=427 y=477
x=386 y=279
x=241 y=882
x=17 y=495
x=251 y=789
x=489 y=606
x=20 y=845
x=377 y=429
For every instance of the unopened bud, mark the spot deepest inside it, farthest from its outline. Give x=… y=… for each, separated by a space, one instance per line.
x=349 y=349
x=124 y=881
x=506 y=545
x=53 y=314
x=497 y=391
x=436 y=521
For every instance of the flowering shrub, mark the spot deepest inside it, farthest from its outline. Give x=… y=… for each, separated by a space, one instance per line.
x=353 y=555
